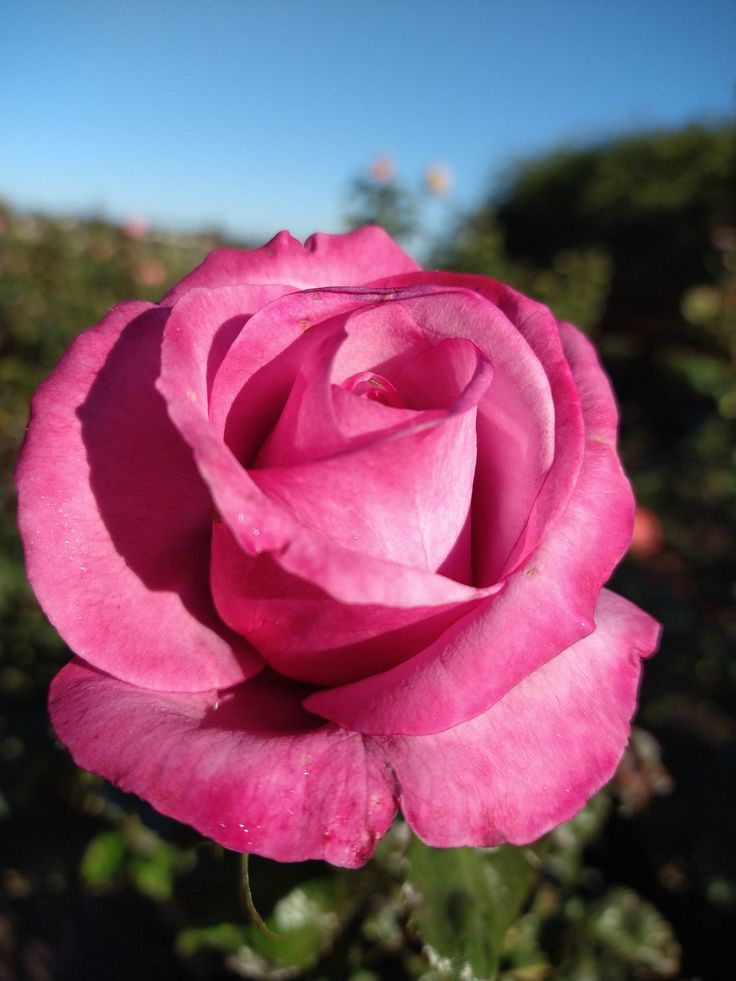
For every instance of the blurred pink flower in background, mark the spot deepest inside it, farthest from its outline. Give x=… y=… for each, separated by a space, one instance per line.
x=136 y=227
x=150 y=272
x=647 y=539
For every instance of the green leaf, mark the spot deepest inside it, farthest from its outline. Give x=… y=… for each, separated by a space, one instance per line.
x=305 y=923
x=562 y=849
x=153 y=870
x=228 y=937
x=464 y=900
x=634 y=932
x=585 y=963
x=103 y=858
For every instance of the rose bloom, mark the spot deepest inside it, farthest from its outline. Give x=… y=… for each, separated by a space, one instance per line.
x=328 y=535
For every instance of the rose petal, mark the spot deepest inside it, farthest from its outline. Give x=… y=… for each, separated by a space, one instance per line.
x=258 y=523
x=255 y=378
x=594 y=389
x=541 y=332
x=116 y=520
x=543 y=608
x=206 y=323
x=533 y=759
x=524 y=394
x=303 y=632
x=320 y=419
x=404 y=496
x=515 y=422
x=248 y=768
x=324 y=260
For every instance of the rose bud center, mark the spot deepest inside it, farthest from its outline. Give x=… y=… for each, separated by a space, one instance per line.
x=376 y=388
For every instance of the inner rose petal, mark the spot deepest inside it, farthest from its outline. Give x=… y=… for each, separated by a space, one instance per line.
x=321 y=419
x=403 y=494
x=375 y=388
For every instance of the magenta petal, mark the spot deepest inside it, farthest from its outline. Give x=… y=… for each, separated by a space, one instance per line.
x=203 y=327
x=255 y=377
x=307 y=428
x=324 y=260
x=247 y=767
x=405 y=497
x=258 y=523
x=116 y=520
x=516 y=438
x=533 y=759
x=326 y=412
x=543 y=607
x=541 y=332
x=594 y=389
x=304 y=633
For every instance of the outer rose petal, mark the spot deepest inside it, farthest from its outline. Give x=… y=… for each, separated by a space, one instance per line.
x=533 y=759
x=116 y=520
x=253 y=771
x=324 y=260
x=248 y=768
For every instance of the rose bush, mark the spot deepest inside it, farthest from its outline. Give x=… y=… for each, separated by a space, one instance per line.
x=328 y=535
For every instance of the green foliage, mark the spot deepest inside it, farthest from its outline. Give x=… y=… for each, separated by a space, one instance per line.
x=633 y=932
x=385 y=203
x=588 y=231
x=463 y=901
x=103 y=858
x=305 y=923
x=661 y=191
x=132 y=854
x=575 y=284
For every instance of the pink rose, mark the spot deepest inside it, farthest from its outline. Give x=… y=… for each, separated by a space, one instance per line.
x=328 y=534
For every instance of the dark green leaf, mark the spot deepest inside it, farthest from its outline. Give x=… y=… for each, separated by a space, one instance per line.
x=103 y=858
x=634 y=932
x=304 y=925
x=464 y=900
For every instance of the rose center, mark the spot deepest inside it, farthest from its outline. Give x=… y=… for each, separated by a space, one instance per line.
x=368 y=385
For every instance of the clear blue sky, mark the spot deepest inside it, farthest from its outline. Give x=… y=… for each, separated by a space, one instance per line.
x=254 y=114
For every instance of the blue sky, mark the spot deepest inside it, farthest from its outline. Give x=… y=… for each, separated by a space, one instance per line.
x=253 y=115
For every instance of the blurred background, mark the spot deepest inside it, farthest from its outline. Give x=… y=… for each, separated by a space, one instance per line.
x=584 y=152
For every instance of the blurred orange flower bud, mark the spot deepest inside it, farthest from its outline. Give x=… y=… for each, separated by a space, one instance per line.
x=382 y=169
x=648 y=538
x=438 y=179
x=150 y=272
